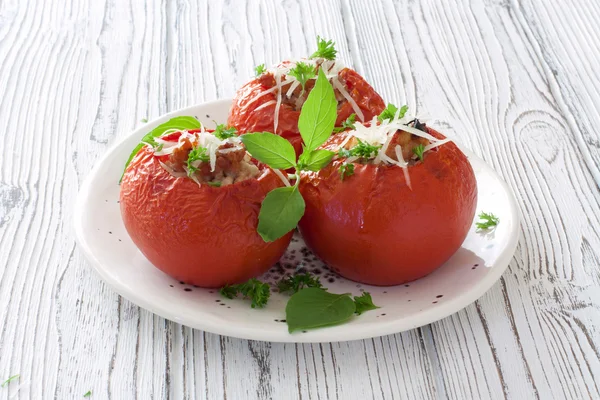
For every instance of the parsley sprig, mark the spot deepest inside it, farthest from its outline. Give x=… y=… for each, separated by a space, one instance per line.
x=297 y=282
x=325 y=49
x=283 y=207
x=346 y=170
x=260 y=69
x=390 y=112
x=347 y=124
x=222 y=132
x=303 y=72
x=486 y=221
x=256 y=291
x=361 y=150
x=198 y=153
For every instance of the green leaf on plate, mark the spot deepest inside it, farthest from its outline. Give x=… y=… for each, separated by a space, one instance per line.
x=270 y=149
x=280 y=212
x=315 y=308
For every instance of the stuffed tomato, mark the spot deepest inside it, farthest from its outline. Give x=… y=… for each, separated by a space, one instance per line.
x=273 y=100
x=191 y=202
x=396 y=202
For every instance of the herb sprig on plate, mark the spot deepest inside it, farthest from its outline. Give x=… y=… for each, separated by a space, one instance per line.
x=487 y=221
x=310 y=305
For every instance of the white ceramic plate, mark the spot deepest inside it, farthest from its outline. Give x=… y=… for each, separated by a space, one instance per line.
x=464 y=278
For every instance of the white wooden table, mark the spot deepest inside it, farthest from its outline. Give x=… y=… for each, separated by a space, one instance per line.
x=516 y=81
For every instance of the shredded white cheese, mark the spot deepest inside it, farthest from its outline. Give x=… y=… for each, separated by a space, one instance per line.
x=381 y=135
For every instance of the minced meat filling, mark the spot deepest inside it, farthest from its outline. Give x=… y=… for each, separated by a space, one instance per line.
x=231 y=166
x=297 y=97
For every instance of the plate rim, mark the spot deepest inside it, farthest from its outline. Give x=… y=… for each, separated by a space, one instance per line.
x=425 y=317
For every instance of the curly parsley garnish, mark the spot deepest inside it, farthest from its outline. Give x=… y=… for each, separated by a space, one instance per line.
x=255 y=290
x=303 y=72
x=197 y=154
x=347 y=124
x=419 y=150
x=260 y=69
x=390 y=112
x=486 y=221
x=222 y=133
x=299 y=281
x=346 y=170
x=361 y=150
x=325 y=49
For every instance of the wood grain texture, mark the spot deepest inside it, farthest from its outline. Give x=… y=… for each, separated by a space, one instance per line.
x=516 y=81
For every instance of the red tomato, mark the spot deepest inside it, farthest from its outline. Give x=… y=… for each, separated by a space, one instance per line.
x=372 y=228
x=204 y=236
x=247 y=115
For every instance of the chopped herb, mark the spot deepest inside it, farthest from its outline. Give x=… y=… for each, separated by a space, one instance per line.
x=363 y=303
x=88 y=394
x=347 y=124
x=487 y=221
x=223 y=133
x=144 y=120
x=390 y=112
x=9 y=380
x=260 y=69
x=361 y=150
x=419 y=151
x=255 y=290
x=303 y=72
x=197 y=154
x=346 y=170
x=299 y=281
x=214 y=184
x=325 y=49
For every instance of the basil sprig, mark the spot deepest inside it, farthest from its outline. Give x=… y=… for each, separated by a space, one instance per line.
x=283 y=207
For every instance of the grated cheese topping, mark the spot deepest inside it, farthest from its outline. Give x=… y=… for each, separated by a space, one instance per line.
x=380 y=134
x=282 y=70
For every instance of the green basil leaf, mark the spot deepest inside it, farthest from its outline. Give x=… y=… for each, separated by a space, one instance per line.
x=318 y=114
x=314 y=308
x=179 y=123
x=315 y=160
x=270 y=149
x=280 y=212
x=364 y=302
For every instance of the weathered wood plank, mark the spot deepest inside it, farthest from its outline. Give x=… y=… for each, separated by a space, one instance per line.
x=513 y=80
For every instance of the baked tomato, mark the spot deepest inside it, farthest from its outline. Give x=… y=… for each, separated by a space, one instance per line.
x=272 y=101
x=192 y=208
x=392 y=207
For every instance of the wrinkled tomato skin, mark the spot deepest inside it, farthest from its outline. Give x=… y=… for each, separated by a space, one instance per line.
x=245 y=118
x=372 y=228
x=204 y=236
